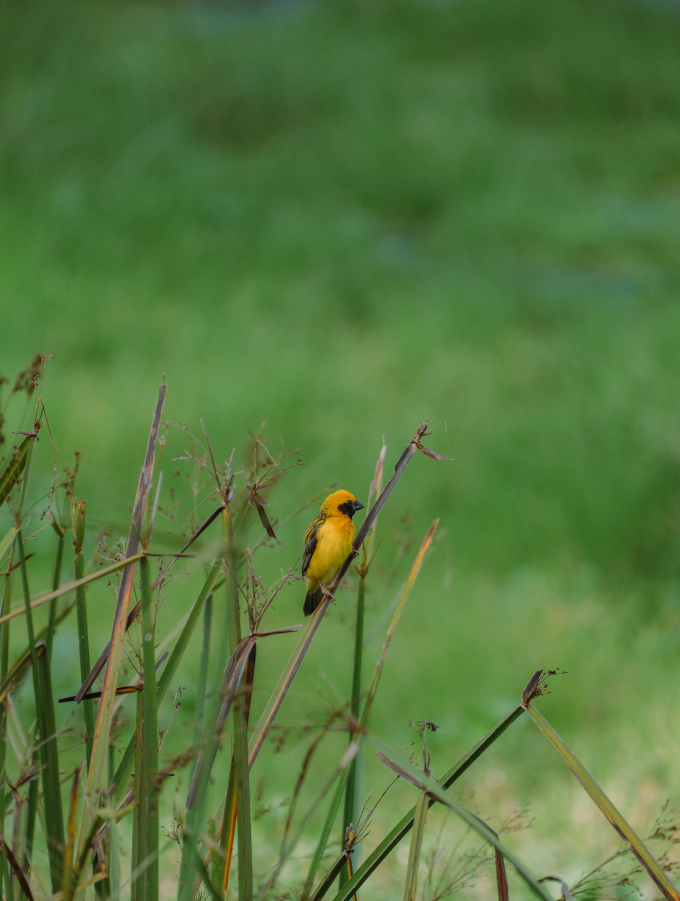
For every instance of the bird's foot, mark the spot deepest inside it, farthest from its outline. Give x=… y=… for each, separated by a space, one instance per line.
x=327 y=594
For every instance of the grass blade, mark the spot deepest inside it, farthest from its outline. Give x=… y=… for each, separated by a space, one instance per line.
x=49 y=761
x=69 y=854
x=617 y=820
x=12 y=472
x=78 y=521
x=149 y=740
x=427 y=784
x=351 y=788
x=97 y=767
x=4 y=674
x=202 y=675
x=402 y=828
x=56 y=579
x=419 y=820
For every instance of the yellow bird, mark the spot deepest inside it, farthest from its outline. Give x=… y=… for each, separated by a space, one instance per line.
x=328 y=543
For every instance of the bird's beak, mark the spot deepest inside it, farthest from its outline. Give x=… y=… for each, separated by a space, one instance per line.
x=357 y=505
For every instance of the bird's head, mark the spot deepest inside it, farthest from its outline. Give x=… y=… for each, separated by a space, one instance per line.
x=343 y=502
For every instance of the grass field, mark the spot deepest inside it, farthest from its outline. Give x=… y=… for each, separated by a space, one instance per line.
x=347 y=218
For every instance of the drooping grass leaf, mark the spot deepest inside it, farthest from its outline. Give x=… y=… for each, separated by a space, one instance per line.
x=656 y=873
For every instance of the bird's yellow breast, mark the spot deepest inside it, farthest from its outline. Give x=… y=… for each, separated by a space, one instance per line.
x=334 y=544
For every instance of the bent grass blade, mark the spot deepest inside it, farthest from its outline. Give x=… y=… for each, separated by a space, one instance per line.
x=617 y=820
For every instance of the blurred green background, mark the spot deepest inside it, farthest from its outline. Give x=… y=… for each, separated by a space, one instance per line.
x=344 y=218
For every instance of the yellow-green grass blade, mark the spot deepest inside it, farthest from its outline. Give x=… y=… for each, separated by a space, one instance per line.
x=656 y=873
x=403 y=827
x=97 y=767
x=407 y=771
x=70 y=586
x=12 y=472
x=149 y=739
x=419 y=820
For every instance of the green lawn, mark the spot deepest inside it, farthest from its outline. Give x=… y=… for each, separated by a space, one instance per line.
x=344 y=218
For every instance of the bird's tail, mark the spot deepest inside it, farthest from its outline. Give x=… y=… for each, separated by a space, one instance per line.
x=312 y=600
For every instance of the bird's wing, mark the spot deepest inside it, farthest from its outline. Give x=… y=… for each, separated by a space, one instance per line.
x=310 y=539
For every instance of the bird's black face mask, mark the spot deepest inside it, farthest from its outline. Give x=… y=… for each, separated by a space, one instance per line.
x=349 y=508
